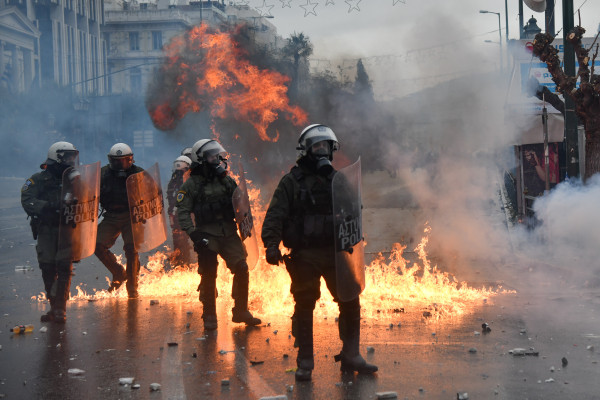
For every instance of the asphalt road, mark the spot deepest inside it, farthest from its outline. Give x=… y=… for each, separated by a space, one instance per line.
x=164 y=343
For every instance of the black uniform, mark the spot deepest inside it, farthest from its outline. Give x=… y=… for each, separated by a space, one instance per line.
x=40 y=198
x=117 y=221
x=181 y=243
x=214 y=232
x=300 y=214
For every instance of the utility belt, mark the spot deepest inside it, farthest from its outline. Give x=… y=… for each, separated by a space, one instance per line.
x=314 y=230
x=221 y=210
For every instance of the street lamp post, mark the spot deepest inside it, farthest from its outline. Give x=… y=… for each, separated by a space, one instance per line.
x=499 y=34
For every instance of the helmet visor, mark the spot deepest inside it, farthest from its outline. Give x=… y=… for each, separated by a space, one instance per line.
x=68 y=157
x=213 y=153
x=121 y=163
x=180 y=166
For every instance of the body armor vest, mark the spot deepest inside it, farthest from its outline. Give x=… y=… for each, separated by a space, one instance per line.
x=214 y=202
x=311 y=221
x=113 y=189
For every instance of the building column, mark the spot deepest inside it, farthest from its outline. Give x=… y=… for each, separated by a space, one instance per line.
x=28 y=72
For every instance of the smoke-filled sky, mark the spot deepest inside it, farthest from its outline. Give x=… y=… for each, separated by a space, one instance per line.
x=390 y=35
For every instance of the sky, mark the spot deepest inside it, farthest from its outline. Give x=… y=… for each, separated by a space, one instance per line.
x=389 y=34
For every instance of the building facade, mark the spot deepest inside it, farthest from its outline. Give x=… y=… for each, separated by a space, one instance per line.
x=70 y=49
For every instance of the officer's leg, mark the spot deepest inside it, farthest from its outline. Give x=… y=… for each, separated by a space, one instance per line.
x=306 y=291
x=181 y=244
x=133 y=259
x=132 y=271
x=239 y=292
x=107 y=235
x=49 y=277
x=349 y=327
x=348 y=324
x=62 y=292
x=207 y=268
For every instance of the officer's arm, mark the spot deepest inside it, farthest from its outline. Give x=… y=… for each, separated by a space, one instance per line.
x=278 y=211
x=171 y=193
x=185 y=206
x=30 y=193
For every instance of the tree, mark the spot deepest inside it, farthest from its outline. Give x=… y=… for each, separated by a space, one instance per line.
x=586 y=97
x=362 y=84
x=299 y=47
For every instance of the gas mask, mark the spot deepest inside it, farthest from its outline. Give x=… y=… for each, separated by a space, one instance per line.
x=320 y=153
x=218 y=166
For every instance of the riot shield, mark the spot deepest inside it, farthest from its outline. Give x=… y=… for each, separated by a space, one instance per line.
x=243 y=217
x=79 y=212
x=349 y=244
x=146 y=209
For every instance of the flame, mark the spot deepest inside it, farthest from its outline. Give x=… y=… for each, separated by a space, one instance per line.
x=208 y=70
x=392 y=286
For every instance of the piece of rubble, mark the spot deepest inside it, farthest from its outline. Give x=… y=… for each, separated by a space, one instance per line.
x=370 y=349
x=256 y=362
x=171 y=344
x=426 y=314
x=485 y=328
x=476 y=333
x=564 y=361
x=518 y=351
x=552 y=369
x=522 y=331
x=154 y=387
x=590 y=348
x=290 y=388
x=472 y=350
x=278 y=397
x=275 y=332
x=386 y=395
x=549 y=380
x=75 y=371
x=126 y=381
x=225 y=382
x=153 y=302
x=136 y=386
x=43 y=329
x=462 y=396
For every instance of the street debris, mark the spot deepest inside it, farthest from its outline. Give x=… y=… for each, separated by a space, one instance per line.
x=485 y=328
x=153 y=302
x=154 y=387
x=224 y=382
x=290 y=388
x=564 y=361
x=256 y=362
x=75 y=371
x=549 y=380
x=43 y=329
x=171 y=344
x=590 y=348
x=472 y=350
x=136 y=386
x=476 y=333
x=524 y=352
x=278 y=397
x=462 y=396
x=386 y=395
x=293 y=369
x=126 y=381
x=426 y=314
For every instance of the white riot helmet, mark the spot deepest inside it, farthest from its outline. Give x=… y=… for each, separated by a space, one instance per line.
x=210 y=153
x=187 y=152
x=182 y=163
x=63 y=153
x=120 y=157
x=314 y=134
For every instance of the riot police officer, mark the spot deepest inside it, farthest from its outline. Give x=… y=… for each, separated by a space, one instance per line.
x=117 y=221
x=41 y=200
x=181 y=245
x=208 y=195
x=301 y=215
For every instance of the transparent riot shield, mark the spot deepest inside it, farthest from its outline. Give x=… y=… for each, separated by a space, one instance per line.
x=146 y=209
x=243 y=217
x=79 y=212
x=349 y=244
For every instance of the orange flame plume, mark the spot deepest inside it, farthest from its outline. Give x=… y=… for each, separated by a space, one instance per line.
x=206 y=70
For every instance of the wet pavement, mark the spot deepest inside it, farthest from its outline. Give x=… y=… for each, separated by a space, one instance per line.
x=418 y=357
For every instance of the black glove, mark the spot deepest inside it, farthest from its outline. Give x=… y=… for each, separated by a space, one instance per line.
x=273 y=255
x=200 y=239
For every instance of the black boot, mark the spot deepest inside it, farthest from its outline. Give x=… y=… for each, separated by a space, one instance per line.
x=304 y=338
x=132 y=271
x=239 y=292
x=110 y=262
x=349 y=328
x=62 y=291
x=208 y=297
x=49 y=316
